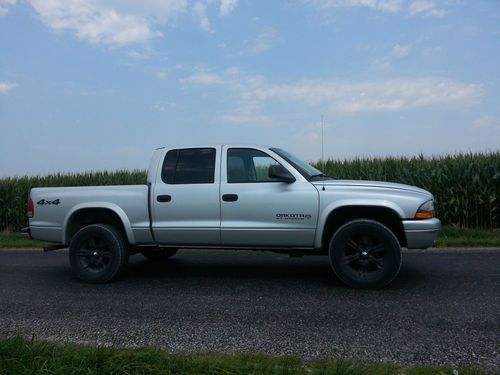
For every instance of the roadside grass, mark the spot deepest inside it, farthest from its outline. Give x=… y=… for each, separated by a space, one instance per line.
x=460 y=237
x=22 y=356
x=14 y=240
x=448 y=237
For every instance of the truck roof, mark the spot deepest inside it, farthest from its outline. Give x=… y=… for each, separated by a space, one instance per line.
x=212 y=145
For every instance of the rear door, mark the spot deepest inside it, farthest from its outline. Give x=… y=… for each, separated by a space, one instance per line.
x=186 y=203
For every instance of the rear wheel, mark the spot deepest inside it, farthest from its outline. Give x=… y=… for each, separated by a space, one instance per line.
x=365 y=254
x=98 y=253
x=159 y=253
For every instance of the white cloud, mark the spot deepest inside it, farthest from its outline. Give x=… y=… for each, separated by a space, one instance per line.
x=137 y=55
x=227 y=6
x=349 y=97
x=118 y=23
x=486 y=122
x=200 y=10
x=4 y=6
x=413 y=8
x=161 y=74
x=165 y=106
x=379 y=96
x=95 y=21
x=233 y=70
x=6 y=87
x=400 y=51
x=204 y=79
x=425 y=7
x=248 y=114
x=200 y=14
x=381 y=5
x=157 y=11
x=265 y=41
x=384 y=64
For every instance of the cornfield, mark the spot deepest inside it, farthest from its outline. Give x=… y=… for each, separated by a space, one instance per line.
x=466 y=186
x=14 y=191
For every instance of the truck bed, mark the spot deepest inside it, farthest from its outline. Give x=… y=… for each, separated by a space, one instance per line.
x=51 y=213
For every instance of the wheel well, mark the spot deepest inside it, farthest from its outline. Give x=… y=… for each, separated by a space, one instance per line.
x=88 y=216
x=342 y=215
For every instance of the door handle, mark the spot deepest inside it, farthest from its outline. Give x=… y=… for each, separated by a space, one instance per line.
x=164 y=198
x=229 y=197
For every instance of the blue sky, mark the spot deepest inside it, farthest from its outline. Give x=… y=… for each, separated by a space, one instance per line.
x=98 y=84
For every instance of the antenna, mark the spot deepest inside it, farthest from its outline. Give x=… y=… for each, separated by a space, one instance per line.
x=322 y=142
x=322 y=151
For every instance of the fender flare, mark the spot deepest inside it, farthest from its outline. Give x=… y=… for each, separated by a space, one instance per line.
x=106 y=205
x=325 y=213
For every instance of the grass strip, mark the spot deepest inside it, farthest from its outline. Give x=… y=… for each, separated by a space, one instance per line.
x=22 y=356
x=13 y=240
x=460 y=237
x=448 y=237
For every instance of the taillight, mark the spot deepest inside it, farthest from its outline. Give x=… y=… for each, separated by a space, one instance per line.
x=30 y=208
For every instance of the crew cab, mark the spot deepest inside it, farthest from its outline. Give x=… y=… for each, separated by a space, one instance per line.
x=236 y=197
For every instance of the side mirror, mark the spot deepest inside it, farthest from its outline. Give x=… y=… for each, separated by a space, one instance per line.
x=278 y=172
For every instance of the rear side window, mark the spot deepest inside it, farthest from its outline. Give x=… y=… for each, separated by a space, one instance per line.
x=189 y=166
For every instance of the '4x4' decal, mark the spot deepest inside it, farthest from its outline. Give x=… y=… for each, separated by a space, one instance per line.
x=43 y=202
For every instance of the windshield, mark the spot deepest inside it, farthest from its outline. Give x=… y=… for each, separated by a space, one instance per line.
x=305 y=169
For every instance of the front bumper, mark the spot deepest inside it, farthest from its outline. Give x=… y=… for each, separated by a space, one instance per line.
x=421 y=234
x=26 y=233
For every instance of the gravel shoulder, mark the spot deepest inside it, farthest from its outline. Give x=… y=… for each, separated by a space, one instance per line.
x=443 y=308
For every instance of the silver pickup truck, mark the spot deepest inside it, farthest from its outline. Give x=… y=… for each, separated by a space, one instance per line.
x=236 y=197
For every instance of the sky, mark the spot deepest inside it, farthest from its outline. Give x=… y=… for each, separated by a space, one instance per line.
x=99 y=84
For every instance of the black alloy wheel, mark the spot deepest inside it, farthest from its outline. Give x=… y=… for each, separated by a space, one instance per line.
x=365 y=254
x=98 y=253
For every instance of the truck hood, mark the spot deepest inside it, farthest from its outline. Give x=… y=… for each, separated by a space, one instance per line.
x=372 y=184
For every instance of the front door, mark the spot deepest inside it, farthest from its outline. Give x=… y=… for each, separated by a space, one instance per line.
x=259 y=211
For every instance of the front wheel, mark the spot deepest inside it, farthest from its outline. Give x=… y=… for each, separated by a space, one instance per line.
x=98 y=253
x=365 y=254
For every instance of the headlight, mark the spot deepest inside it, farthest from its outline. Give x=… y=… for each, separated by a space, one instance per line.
x=425 y=211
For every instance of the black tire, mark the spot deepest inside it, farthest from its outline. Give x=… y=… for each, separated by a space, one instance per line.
x=159 y=253
x=98 y=253
x=365 y=254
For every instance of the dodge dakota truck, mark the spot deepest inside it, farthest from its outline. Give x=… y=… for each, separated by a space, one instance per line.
x=236 y=197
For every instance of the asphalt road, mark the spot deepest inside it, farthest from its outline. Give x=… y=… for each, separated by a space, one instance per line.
x=444 y=307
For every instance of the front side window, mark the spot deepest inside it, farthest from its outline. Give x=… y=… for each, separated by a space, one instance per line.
x=248 y=165
x=189 y=166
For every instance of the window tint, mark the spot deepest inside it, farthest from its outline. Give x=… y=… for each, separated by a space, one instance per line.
x=304 y=169
x=189 y=166
x=248 y=165
x=168 y=170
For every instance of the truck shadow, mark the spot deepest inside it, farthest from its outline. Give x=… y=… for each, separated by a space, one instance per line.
x=234 y=268
x=249 y=269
